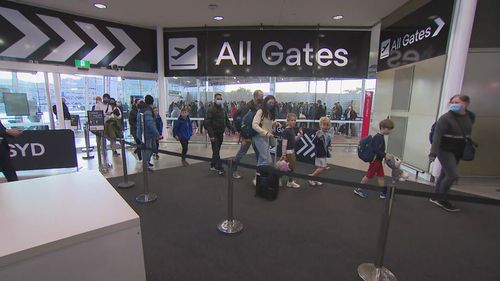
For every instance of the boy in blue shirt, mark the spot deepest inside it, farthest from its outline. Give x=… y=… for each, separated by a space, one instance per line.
x=376 y=167
x=183 y=130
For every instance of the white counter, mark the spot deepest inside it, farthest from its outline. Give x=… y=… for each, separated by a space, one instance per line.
x=68 y=227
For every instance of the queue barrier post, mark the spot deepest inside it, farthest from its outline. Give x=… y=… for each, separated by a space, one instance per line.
x=126 y=183
x=101 y=151
x=230 y=225
x=146 y=196
x=377 y=271
x=87 y=145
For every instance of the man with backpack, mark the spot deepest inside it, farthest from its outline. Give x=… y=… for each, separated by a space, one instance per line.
x=246 y=114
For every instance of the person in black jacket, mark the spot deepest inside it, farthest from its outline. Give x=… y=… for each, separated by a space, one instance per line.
x=216 y=123
x=448 y=144
x=5 y=162
x=132 y=121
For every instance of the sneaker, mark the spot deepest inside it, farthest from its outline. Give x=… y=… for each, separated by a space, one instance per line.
x=446 y=205
x=312 y=183
x=221 y=172
x=292 y=184
x=436 y=202
x=318 y=183
x=360 y=192
x=382 y=195
x=213 y=169
x=236 y=175
x=150 y=165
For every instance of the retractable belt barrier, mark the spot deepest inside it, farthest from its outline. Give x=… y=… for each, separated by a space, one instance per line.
x=343 y=183
x=367 y=271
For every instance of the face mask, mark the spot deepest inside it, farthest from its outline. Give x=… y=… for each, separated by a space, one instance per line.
x=269 y=106
x=219 y=102
x=455 y=107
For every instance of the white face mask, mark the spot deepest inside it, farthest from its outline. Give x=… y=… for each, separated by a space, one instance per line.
x=219 y=102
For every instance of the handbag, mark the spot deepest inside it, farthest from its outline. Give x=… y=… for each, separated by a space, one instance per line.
x=470 y=146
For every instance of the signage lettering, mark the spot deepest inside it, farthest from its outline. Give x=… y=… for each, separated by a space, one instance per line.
x=420 y=35
x=273 y=54
x=36 y=149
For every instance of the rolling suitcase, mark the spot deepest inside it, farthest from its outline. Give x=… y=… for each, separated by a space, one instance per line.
x=267 y=185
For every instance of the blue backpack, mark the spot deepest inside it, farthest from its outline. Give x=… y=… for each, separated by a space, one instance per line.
x=431 y=134
x=365 y=149
x=247 y=132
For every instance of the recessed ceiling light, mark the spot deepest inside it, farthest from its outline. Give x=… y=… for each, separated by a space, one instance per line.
x=218 y=17
x=338 y=17
x=100 y=6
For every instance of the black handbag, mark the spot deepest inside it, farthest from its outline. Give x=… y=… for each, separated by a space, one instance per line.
x=470 y=146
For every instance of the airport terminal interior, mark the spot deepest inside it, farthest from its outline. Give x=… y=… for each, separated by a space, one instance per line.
x=249 y=140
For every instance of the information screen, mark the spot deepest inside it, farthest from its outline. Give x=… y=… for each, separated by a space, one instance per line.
x=16 y=104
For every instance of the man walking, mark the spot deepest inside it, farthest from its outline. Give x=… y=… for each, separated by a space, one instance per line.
x=216 y=123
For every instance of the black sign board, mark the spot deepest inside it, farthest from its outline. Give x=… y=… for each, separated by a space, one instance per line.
x=95 y=120
x=75 y=121
x=32 y=34
x=50 y=149
x=305 y=148
x=421 y=35
x=291 y=53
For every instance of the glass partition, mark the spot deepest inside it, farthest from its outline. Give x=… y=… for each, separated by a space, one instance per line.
x=299 y=95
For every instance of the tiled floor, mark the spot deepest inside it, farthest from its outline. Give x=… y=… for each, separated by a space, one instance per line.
x=343 y=155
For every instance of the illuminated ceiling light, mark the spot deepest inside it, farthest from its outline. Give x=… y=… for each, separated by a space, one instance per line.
x=338 y=17
x=218 y=18
x=100 y=6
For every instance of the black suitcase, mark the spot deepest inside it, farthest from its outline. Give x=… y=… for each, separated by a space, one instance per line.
x=267 y=185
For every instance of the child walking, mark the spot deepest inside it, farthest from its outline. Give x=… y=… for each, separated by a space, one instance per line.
x=288 y=146
x=376 y=168
x=183 y=130
x=323 y=143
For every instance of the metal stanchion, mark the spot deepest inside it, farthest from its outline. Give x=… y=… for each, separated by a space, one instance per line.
x=147 y=196
x=377 y=272
x=87 y=146
x=126 y=183
x=102 y=168
x=231 y=225
x=104 y=151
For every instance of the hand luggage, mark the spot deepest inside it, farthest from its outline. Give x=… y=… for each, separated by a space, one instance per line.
x=267 y=183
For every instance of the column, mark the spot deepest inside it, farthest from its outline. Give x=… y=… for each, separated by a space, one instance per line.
x=59 y=106
x=49 y=100
x=458 y=49
x=162 y=93
x=456 y=58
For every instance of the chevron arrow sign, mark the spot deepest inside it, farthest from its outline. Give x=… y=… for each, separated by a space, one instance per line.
x=305 y=148
x=35 y=34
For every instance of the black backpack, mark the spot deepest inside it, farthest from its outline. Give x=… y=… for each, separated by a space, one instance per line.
x=246 y=131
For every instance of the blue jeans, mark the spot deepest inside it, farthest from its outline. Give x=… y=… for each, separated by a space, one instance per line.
x=150 y=145
x=264 y=155
x=245 y=146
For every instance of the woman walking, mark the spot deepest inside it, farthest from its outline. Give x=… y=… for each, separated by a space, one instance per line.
x=450 y=140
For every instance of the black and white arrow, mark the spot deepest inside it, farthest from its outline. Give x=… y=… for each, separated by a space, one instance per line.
x=440 y=23
x=71 y=44
x=103 y=48
x=33 y=37
x=131 y=49
x=308 y=146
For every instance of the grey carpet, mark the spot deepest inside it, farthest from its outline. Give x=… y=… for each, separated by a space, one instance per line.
x=307 y=234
